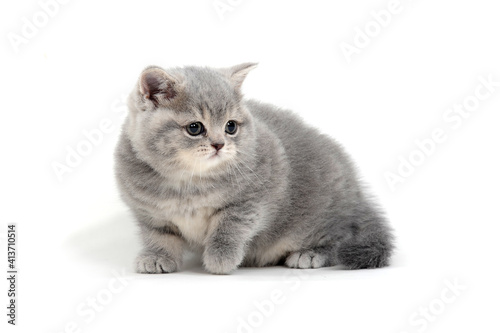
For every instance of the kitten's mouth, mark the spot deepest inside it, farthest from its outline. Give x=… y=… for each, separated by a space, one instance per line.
x=214 y=155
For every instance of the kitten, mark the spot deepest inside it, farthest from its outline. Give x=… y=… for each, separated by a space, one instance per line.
x=242 y=182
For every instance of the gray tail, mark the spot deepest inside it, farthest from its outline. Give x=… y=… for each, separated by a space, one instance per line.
x=370 y=251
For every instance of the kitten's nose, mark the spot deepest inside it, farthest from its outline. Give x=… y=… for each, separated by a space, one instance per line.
x=218 y=146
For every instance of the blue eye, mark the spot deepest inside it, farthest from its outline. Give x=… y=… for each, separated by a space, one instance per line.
x=195 y=128
x=231 y=127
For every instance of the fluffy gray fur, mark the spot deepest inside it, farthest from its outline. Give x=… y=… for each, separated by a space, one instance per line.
x=277 y=192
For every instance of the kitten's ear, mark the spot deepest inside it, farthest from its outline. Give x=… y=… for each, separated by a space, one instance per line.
x=158 y=86
x=238 y=73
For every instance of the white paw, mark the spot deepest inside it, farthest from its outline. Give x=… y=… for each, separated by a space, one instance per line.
x=221 y=262
x=155 y=264
x=215 y=266
x=306 y=259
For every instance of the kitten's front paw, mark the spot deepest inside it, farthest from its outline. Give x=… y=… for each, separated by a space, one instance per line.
x=306 y=259
x=155 y=263
x=221 y=262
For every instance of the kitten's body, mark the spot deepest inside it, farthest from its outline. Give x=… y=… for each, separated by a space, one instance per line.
x=280 y=192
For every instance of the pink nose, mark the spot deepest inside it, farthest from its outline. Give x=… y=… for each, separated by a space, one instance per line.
x=217 y=146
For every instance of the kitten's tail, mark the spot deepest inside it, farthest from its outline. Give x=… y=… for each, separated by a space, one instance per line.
x=368 y=250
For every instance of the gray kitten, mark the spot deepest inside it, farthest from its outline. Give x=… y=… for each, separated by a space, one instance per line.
x=244 y=183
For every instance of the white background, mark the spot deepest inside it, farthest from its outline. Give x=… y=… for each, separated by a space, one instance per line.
x=75 y=233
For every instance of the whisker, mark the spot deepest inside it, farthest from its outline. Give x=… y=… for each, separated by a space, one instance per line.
x=261 y=181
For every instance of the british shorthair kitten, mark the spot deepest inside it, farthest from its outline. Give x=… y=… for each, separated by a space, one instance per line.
x=242 y=182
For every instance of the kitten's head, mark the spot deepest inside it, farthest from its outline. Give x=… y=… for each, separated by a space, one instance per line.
x=190 y=119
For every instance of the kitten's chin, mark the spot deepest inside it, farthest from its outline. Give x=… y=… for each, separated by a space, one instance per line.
x=212 y=161
x=207 y=163
x=214 y=157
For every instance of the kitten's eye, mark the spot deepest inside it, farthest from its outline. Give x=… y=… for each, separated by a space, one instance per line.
x=195 y=128
x=231 y=127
